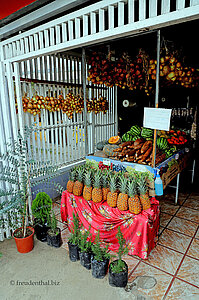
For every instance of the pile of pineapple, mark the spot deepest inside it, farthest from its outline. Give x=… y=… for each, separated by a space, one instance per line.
x=119 y=189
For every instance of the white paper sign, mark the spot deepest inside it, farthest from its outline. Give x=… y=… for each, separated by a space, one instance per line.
x=157 y=118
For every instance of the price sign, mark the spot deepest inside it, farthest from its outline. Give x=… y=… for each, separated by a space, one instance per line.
x=106 y=162
x=157 y=118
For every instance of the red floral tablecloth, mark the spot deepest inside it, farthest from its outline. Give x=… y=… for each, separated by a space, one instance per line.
x=140 y=231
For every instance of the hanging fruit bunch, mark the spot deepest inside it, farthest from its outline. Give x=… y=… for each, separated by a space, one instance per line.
x=99 y=105
x=122 y=72
x=71 y=104
x=172 y=71
x=100 y=69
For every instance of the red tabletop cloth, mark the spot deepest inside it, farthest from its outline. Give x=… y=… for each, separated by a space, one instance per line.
x=140 y=231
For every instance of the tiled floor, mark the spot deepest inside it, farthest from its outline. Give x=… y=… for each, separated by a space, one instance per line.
x=174 y=262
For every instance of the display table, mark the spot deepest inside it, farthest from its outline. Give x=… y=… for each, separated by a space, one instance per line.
x=140 y=231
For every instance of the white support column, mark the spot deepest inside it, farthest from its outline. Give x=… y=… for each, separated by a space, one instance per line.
x=180 y=4
x=142 y=10
x=120 y=14
x=110 y=17
x=70 y=30
x=77 y=28
x=153 y=8
x=93 y=22
x=131 y=11
x=101 y=20
x=85 y=25
x=64 y=32
x=165 y=8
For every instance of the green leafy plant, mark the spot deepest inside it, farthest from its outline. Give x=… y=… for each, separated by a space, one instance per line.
x=85 y=240
x=53 y=225
x=99 y=249
x=75 y=230
x=42 y=207
x=19 y=175
x=119 y=265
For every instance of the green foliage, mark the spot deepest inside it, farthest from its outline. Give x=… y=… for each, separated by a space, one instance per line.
x=119 y=265
x=99 y=249
x=53 y=224
x=18 y=175
x=85 y=240
x=41 y=207
x=75 y=230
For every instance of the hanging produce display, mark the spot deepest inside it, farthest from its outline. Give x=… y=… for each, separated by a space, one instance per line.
x=122 y=72
x=140 y=72
x=69 y=105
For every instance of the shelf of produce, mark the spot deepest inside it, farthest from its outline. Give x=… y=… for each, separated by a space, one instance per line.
x=170 y=168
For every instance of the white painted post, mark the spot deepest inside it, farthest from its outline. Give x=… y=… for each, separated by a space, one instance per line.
x=85 y=25
x=165 y=8
x=120 y=14
x=70 y=30
x=64 y=32
x=93 y=22
x=101 y=20
x=131 y=11
x=77 y=28
x=142 y=10
x=110 y=16
x=180 y=4
x=153 y=8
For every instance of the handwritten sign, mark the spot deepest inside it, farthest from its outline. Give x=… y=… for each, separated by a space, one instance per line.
x=157 y=118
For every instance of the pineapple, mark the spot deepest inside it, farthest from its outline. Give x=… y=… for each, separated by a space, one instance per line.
x=105 y=188
x=122 y=200
x=143 y=189
x=112 y=195
x=134 y=200
x=71 y=181
x=87 y=191
x=78 y=185
x=97 y=191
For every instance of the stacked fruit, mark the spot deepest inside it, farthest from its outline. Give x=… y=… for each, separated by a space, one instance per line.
x=118 y=189
x=177 y=138
x=128 y=197
x=133 y=134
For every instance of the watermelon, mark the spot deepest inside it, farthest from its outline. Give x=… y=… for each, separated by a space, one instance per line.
x=147 y=133
x=162 y=143
x=135 y=130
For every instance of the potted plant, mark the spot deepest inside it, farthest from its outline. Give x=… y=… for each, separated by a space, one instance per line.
x=18 y=175
x=41 y=210
x=73 y=241
x=100 y=258
x=118 y=269
x=54 y=233
x=85 y=248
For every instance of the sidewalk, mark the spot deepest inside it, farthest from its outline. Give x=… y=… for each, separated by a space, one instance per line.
x=171 y=271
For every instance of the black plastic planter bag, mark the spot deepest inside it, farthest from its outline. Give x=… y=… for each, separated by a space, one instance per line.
x=73 y=252
x=41 y=231
x=85 y=259
x=99 y=268
x=54 y=240
x=118 y=279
